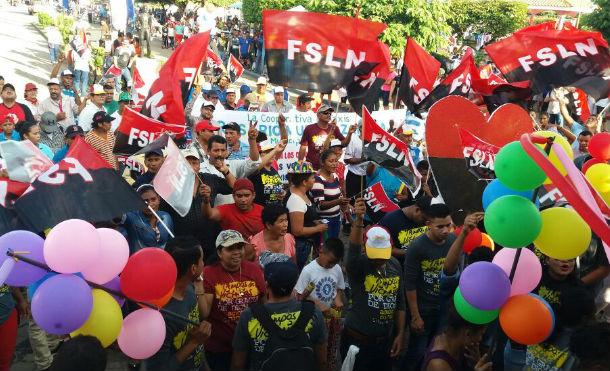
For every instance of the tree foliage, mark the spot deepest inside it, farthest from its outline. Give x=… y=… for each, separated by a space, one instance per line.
x=599 y=20
x=498 y=18
x=423 y=20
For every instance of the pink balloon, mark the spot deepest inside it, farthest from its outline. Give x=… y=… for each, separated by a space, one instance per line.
x=72 y=246
x=114 y=252
x=142 y=334
x=528 y=271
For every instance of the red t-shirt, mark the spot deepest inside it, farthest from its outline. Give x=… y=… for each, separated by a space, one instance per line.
x=233 y=292
x=314 y=137
x=247 y=223
x=18 y=110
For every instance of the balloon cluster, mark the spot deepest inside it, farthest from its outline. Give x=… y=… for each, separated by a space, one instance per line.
x=64 y=303
x=597 y=169
x=485 y=290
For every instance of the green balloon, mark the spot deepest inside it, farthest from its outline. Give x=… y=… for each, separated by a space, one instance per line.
x=516 y=170
x=513 y=221
x=472 y=314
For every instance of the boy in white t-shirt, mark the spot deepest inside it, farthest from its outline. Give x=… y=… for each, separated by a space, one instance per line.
x=321 y=281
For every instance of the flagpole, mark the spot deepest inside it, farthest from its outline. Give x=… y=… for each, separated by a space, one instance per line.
x=40 y=265
x=160 y=220
x=362 y=154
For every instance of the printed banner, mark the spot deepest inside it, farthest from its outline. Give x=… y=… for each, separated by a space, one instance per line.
x=419 y=72
x=24 y=161
x=235 y=68
x=377 y=202
x=554 y=58
x=314 y=50
x=480 y=156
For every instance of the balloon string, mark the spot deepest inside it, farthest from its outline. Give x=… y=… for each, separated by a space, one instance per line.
x=513 y=269
x=15 y=255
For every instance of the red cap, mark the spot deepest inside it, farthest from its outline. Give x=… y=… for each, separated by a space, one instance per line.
x=30 y=86
x=243 y=183
x=205 y=125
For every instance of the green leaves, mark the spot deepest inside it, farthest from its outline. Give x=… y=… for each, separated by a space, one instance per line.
x=498 y=18
x=599 y=19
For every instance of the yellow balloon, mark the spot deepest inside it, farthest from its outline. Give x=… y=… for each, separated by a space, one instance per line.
x=599 y=177
x=564 y=234
x=553 y=157
x=105 y=320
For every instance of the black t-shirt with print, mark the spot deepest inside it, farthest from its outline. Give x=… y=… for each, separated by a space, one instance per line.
x=268 y=186
x=402 y=230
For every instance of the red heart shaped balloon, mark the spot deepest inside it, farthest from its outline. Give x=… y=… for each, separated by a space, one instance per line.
x=461 y=191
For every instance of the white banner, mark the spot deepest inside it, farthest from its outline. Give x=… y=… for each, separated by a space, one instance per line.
x=295 y=124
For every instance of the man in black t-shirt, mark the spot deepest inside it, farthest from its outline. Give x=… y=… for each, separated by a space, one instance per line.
x=405 y=225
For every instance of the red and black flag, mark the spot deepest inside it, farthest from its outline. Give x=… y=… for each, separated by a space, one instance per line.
x=212 y=65
x=554 y=58
x=418 y=74
x=497 y=91
x=480 y=156
x=137 y=81
x=10 y=191
x=169 y=93
x=363 y=86
x=458 y=82
x=136 y=131
x=377 y=202
x=81 y=186
x=305 y=49
x=235 y=68
x=388 y=152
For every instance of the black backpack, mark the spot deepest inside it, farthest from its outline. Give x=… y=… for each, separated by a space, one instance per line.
x=289 y=349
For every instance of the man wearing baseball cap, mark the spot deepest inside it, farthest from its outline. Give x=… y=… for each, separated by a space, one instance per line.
x=9 y=105
x=31 y=99
x=278 y=104
x=237 y=149
x=262 y=95
x=51 y=134
x=124 y=101
x=203 y=132
x=70 y=133
x=230 y=97
x=405 y=134
x=316 y=135
x=378 y=300
x=230 y=285
x=67 y=80
x=94 y=104
x=62 y=106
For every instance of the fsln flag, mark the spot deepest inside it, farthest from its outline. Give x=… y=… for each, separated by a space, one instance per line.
x=307 y=50
x=24 y=161
x=377 y=202
x=235 y=68
x=81 y=186
x=417 y=76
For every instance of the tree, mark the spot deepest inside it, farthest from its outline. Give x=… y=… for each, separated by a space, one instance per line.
x=498 y=18
x=599 y=20
x=423 y=20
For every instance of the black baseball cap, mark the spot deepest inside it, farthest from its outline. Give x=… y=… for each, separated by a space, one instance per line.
x=73 y=131
x=232 y=126
x=303 y=98
x=8 y=86
x=281 y=277
x=102 y=116
x=213 y=94
x=158 y=152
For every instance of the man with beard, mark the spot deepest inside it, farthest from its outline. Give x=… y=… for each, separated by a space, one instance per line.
x=67 y=81
x=63 y=107
x=10 y=106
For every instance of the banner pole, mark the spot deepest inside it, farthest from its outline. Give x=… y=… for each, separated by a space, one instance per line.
x=160 y=221
x=362 y=153
x=40 y=265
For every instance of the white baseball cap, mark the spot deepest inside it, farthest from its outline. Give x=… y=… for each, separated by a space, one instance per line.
x=378 y=243
x=230 y=90
x=266 y=145
x=261 y=81
x=335 y=143
x=278 y=90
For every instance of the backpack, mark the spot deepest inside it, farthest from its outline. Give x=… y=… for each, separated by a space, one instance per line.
x=289 y=349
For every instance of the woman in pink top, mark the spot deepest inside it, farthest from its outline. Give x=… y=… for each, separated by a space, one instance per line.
x=387 y=88
x=275 y=236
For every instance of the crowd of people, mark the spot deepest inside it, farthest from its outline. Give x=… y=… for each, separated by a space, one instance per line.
x=256 y=256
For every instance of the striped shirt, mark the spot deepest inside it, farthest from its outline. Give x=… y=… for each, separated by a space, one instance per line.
x=103 y=146
x=326 y=191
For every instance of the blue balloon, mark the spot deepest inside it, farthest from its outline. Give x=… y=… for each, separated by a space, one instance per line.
x=496 y=189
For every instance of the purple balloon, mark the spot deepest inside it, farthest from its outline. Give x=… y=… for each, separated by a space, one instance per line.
x=31 y=245
x=62 y=304
x=115 y=284
x=485 y=286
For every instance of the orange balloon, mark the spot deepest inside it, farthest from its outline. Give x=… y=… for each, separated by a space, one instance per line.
x=526 y=319
x=487 y=241
x=160 y=303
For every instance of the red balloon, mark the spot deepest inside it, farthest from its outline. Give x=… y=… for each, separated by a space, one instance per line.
x=590 y=163
x=473 y=239
x=599 y=146
x=148 y=275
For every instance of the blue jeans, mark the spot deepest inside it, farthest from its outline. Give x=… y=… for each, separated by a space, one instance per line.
x=419 y=342
x=303 y=249
x=334 y=227
x=54 y=51
x=118 y=82
x=514 y=359
x=260 y=61
x=81 y=81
